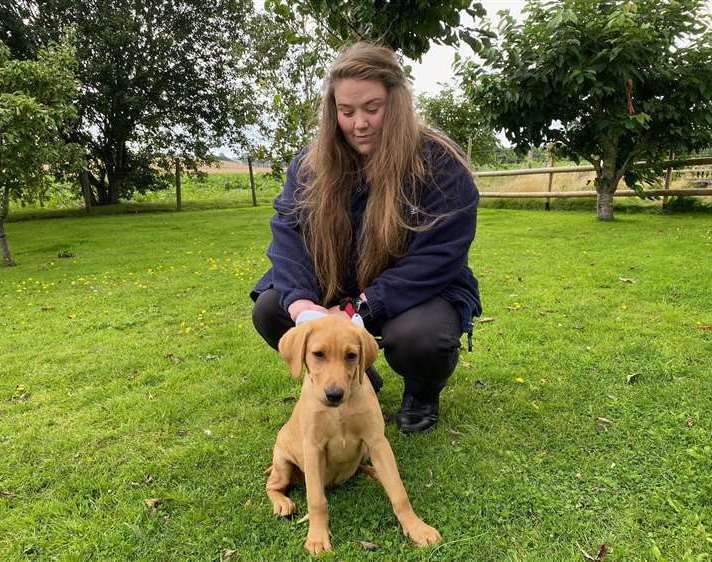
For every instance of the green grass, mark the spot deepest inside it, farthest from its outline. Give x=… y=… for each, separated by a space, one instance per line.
x=131 y=371
x=229 y=190
x=213 y=191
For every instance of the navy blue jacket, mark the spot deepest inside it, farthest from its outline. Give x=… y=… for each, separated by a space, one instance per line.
x=435 y=263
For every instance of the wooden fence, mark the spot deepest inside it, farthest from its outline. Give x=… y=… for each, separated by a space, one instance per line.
x=670 y=165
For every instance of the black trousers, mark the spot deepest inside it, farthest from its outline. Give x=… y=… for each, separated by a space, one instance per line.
x=422 y=344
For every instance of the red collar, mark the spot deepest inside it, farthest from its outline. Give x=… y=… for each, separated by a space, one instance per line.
x=347 y=305
x=350 y=309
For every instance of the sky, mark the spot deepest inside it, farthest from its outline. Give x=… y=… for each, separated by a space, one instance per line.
x=436 y=65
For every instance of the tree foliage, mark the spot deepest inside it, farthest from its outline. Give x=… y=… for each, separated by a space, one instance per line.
x=612 y=82
x=35 y=112
x=462 y=121
x=407 y=26
x=295 y=55
x=159 y=80
x=301 y=38
x=13 y=29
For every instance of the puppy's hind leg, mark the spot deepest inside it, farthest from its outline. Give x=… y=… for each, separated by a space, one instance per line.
x=277 y=485
x=369 y=471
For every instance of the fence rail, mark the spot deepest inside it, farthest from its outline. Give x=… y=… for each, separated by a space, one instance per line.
x=573 y=194
x=551 y=170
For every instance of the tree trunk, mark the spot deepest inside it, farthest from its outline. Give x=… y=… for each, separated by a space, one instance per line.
x=86 y=188
x=605 y=188
x=101 y=190
x=607 y=180
x=116 y=171
x=604 y=205
x=116 y=186
x=4 y=210
x=178 y=186
x=252 y=181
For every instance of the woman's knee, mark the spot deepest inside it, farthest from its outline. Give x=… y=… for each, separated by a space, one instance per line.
x=424 y=341
x=421 y=356
x=269 y=318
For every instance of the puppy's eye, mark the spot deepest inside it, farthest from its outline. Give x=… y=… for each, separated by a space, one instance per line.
x=319 y=354
x=351 y=356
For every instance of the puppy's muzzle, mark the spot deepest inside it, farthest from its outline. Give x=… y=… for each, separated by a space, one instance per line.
x=334 y=395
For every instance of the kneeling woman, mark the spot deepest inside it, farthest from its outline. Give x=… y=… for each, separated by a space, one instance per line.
x=380 y=210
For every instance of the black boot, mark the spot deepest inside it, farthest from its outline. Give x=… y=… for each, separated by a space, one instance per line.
x=375 y=378
x=418 y=414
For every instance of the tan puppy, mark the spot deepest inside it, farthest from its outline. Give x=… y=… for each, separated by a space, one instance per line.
x=336 y=424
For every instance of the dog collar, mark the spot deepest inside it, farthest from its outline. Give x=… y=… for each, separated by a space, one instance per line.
x=348 y=306
x=356 y=306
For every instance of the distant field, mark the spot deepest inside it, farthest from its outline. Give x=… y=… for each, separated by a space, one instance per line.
x=571 y=181
x=224 y=167
x=217 y=190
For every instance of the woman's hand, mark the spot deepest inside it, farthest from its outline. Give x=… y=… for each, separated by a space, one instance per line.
x=336 y=310
x=299 y=306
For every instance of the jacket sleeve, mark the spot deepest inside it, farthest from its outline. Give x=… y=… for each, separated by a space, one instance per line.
x=293 y=274
x=435 y=257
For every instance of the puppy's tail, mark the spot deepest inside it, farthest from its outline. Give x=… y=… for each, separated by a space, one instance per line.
x=268 y=471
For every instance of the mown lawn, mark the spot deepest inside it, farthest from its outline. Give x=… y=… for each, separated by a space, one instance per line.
x=130 y=371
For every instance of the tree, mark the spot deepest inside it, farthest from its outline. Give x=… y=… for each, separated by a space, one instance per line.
x=612 y=82
x=461 y=120
x=159 y=80
x=407 y=26
x=13 y=29
x=35 y=112
x=295 y=55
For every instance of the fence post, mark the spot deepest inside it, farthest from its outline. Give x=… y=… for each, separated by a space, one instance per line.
x=178 y=186
x=469 y=150
x=668 y=178
x=551 y=175
x=252 y=181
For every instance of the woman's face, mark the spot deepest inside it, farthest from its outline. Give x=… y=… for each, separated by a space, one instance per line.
x=360 y=107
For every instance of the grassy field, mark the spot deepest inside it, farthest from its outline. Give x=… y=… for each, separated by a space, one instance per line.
x=130 y=373
x=228 y=186
x=217 y=190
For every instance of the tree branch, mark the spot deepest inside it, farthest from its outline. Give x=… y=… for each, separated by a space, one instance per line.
x=622 y=169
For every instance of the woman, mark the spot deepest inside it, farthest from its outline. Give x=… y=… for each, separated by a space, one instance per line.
x=381 y=210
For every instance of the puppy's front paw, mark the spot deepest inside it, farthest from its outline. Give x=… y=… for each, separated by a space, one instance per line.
x=421 y=533
x=284 y=507
x=317 y=541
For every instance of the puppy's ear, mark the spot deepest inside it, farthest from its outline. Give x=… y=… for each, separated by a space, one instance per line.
x=293 y=345
x=369 y=352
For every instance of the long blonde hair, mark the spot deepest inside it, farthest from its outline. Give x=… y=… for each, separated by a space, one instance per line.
x=394 y=172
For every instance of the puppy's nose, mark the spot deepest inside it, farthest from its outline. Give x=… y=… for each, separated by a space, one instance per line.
x=334 y=394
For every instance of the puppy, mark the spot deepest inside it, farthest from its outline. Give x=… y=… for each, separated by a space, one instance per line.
x=336 y=425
